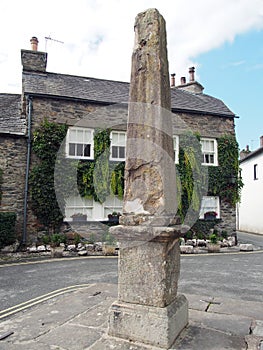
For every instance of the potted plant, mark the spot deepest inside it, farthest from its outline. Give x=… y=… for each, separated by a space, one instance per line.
x=114 y=217
x=210 y=215
x=79 y=217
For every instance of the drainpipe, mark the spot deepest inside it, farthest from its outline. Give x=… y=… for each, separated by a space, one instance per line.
x=29 y=109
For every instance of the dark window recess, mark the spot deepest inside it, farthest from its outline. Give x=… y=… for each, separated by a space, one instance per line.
x=255 y=172
x=87 y=151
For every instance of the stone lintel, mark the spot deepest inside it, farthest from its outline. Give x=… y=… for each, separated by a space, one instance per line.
x=150 y=325
x=147 y=233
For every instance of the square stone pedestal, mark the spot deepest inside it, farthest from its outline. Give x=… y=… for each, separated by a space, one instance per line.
x=156 y=326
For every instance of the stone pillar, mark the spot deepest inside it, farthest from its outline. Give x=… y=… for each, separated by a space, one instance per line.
x=148 y=308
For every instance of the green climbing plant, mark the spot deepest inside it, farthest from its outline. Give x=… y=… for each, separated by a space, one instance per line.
x=225 y=180
x=1 y=183
x=46 y=142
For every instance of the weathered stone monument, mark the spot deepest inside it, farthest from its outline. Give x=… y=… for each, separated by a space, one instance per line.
x=148 y=308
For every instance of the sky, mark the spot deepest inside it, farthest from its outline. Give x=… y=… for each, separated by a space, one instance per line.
x=222 y=39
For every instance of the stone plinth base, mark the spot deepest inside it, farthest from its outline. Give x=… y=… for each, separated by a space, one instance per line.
x=156 y=326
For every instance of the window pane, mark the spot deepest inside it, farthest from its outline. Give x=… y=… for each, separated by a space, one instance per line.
x=71 y=149
x=211 y=159
x=114 y=152
x=87 y=151
x=114 y=138
x=87 y=138
x=122 y=139
x=121 y=152
x=79 y=149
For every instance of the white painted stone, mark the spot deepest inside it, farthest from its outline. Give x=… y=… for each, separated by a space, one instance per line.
x=186 y=249
x=189 y=242
x=231 y=241
x=71 y=247
x=201 y=243
x=32 y=249
x=82 y=253
x=41 y=248
x=246 y=247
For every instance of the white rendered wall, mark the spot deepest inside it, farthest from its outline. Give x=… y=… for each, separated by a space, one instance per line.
x=250 y=210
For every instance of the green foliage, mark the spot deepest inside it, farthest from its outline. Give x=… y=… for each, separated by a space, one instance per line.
x=46 y=142
x=100 y=177
x=225 y=180
x=1 y=182
x=213 y=238
x=57 y=238
x=7 y=228
x=192 y=181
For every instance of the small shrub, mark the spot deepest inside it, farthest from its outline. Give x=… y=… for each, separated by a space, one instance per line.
x=57 y=238
x=213 y=238
x=7 y=228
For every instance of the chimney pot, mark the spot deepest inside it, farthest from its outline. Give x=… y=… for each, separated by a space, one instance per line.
x=192 y=74
x=34 y=43
x=183 y=80
x=261 y=141
x=172 y=79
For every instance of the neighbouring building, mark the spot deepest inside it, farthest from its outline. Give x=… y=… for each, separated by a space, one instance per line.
x=249 y=210
x=68 y=99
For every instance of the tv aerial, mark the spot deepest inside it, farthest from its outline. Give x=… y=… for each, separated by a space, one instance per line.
x=51 y=39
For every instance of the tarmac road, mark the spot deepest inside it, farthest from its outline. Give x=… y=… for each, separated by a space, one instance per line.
x=238 y=275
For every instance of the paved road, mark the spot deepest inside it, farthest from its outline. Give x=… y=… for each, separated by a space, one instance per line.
x=223 y=275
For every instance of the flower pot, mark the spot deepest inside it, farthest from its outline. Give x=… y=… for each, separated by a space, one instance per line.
x=81 y=218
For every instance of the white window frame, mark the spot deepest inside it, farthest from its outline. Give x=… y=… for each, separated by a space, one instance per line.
x=77 y=204
x=118 y=144
x=207 y=153
x=209 y=203
x=115 y=206
x=176 y=148
x=81 y=141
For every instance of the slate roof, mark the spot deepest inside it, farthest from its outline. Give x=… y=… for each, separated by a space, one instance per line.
x=108 y=91
x=11 y=121
x=253 y=154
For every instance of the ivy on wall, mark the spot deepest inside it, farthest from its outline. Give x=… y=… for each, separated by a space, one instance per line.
x=225 y=180
x=1 y=182
x=46 y=142
x=95 y=178
x=101 y=177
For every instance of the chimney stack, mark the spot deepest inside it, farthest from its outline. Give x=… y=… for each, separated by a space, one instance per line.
x=34 y=60
x=183 y=80
x=261 y=141
x=34 y=43
x=192 y=74
x=173 y=80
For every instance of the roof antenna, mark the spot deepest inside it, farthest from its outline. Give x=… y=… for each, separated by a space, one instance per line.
x=49 y=38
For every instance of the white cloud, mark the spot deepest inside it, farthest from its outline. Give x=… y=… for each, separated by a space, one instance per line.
x=98 y=35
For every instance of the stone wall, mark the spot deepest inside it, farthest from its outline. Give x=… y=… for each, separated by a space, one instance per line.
x=228 y=216
x=205 y=125
x=94 y=115
x=13 y=150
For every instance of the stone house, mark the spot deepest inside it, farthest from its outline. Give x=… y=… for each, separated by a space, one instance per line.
x=249 y=209
x=101 y=103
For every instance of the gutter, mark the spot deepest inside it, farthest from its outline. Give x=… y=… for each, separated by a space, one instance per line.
x=29 y=109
